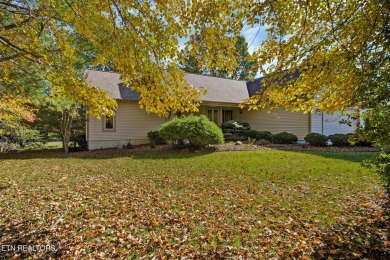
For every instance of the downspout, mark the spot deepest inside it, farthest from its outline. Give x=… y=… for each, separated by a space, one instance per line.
x=87 y=127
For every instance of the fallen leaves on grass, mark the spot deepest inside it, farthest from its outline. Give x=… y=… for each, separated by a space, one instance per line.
x=251 y=204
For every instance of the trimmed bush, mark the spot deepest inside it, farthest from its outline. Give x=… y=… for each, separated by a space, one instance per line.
x=78 y=143
x=284 y=138
x=359 y=139
x=263 y=142
x=198 y=130
x=364 y=143
x=249 y=134
x=266 y=135
x=340 y=139
x=235 y=127
x=316 y=139
x=155 y=138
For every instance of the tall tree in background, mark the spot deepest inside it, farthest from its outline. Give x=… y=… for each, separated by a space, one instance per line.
x=245 y=70
x=247 y=65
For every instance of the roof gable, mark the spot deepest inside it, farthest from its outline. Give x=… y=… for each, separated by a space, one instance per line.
x=256 y=85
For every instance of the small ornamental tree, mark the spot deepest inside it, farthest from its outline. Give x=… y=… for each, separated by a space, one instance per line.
x=198 y=130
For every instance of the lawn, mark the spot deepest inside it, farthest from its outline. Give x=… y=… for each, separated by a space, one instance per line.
x=40 y=146
x=256 y=204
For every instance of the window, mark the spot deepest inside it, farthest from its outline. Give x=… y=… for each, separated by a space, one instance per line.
x=109 y=123
x=227 y=115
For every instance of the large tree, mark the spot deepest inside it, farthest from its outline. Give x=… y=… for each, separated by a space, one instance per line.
x=139 y=39
x=245 y=69
x=340 y=49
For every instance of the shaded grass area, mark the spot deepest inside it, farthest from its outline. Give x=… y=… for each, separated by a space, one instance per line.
x=39 y=146
x=348 y=156
x=256 y=204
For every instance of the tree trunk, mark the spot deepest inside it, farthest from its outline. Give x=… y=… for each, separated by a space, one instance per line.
x=66 y=126
x=66 y=147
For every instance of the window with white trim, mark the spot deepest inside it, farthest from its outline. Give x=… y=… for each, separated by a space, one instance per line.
x=109 y=123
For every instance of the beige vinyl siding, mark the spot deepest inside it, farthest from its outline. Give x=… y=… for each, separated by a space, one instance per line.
x=278 y=120
x=332 y=123
x=131 y=123
x=316 y=123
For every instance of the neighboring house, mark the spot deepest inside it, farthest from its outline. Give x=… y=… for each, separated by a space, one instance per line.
x=220 y=104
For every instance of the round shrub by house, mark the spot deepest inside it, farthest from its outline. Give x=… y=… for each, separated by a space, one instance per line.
x=340 y=139
x=284 y=138
x=359 y=139
x=249 y=134
x=316 y=139
x=234 y=126
x=198 y=130
x=264 y=135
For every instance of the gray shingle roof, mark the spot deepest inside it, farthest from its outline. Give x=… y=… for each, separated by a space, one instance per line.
x=256 y=85
x=219 y=89
x=110 y=82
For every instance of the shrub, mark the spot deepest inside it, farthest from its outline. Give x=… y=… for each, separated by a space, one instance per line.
x=266 y=135
x=263 y=142
x=198 y=130
x=363 y=142
x=78 y=143
x=316 y=139
x=360 y=139
x=234 y=126
x=6 y=145
x=249 y=134
x=381 y=162
x=155 y=138
x=284 y=138
x=340 y=139
x=128 y=145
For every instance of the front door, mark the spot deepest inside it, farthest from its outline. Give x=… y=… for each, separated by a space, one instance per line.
x=213 y=115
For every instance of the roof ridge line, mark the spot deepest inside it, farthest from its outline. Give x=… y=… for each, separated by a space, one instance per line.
x=103 y=71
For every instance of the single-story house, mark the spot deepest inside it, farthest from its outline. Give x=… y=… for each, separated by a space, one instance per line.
x=220 y=104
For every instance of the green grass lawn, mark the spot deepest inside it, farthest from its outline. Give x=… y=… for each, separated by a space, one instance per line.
x=257 y=204
x=35 y=146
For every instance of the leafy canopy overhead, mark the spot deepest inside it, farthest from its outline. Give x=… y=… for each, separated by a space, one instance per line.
x=139 y=39
x=340 y=48
x=337 y=47
x=246 y=65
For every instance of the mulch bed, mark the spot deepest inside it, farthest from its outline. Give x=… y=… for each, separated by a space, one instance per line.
x=292 y=147
x=231 y=146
